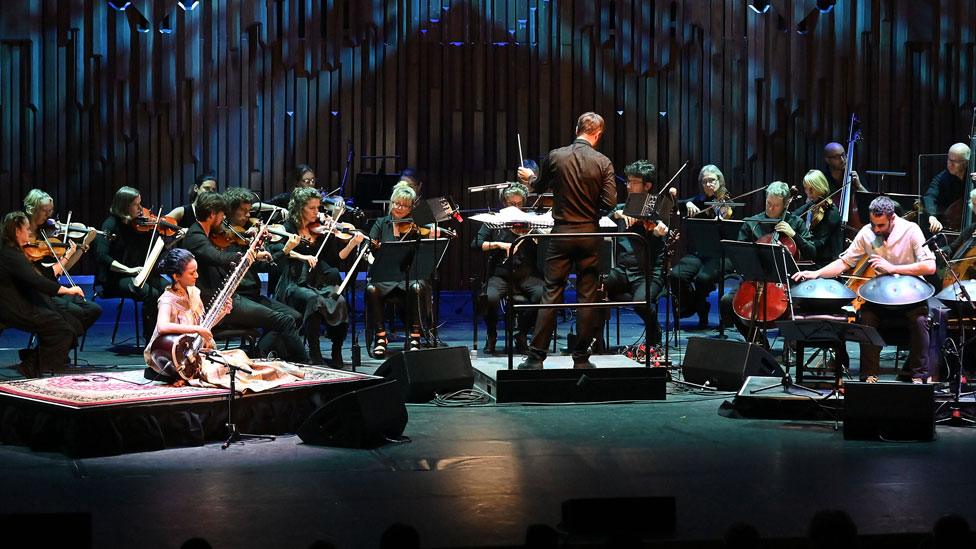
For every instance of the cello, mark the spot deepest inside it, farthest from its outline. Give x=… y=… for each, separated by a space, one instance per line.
x=769 y=297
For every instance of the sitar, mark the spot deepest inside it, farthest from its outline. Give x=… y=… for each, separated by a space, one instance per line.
x=178 y=355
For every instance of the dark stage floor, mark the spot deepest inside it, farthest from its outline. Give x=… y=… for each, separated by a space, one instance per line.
x=477 y=476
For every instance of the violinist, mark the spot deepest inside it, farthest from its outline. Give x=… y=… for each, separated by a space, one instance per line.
x=121 y=259
x=774 y=218
x=947 y=187
x=80 y=313
x=628 y=276
x=507 y=273
x=389 y=229
x=821 y=218
x=894 y=246
x=694 y=276
x=250 y=310
x=25 y=301
x=302 y=177
x=205 y=183
x=309 y=280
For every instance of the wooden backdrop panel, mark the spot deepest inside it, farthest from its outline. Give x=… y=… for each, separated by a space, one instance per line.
x=93 y=97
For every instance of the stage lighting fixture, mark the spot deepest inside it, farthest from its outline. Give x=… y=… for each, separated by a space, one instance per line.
x=825 y=5
x=117 y=8
x=759 y=6
x=193 y=5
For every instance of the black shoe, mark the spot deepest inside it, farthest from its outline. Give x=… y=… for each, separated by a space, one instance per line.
x=337 y=361
x=530 y=364
x=490 y=340
x=703 y=316
x=316 y=360
x=584 y=365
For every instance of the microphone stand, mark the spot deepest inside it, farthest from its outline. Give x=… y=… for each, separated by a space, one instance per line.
x=956 y=418
x=233 y=434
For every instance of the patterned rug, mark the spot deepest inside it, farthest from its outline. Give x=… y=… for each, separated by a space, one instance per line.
x=94 y=389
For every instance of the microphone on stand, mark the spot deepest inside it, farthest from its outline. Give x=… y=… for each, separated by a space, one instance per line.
x=933 y=238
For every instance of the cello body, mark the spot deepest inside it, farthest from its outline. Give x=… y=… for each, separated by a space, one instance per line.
x=763 y=301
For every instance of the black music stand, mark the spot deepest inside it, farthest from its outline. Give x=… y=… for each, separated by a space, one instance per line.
x=705 y=235
x=823 y=332
x=407 y=260
x=765 y=264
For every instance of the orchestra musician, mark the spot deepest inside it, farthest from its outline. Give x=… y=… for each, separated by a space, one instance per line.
x=947 y=187
x=251 y=309
x=509 y=273
x=308 y=278
x=633 y=265
x=303 y=176
x=821 y=218
x=390 y=228
x=25 y=301
x=184 y=215
x=79 y=312
x=835 y=161
x=694 y=276
x=774 y=218
x=584 y=189
x=121 y=259
x=893 y=245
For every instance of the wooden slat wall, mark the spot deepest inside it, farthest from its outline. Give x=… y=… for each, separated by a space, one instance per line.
x=92 y=98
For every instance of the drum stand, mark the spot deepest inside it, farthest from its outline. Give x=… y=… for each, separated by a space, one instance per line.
x=956 y=417
x=233 y=434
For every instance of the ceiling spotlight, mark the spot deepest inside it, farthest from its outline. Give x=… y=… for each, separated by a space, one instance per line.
x=759 y=6
x=825 y=6
x=192 y=5
x=117 y=7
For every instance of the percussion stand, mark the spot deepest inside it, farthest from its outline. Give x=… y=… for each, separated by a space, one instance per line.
x=956 y=417
x=233 y=434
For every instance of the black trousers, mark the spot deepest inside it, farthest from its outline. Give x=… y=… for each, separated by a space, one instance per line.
x=914 y=319
x=279 y=322
x=55 y=333
x=692 y=278
x=148 y=295
x=79 y=313
x=318 y=306
x=619 y=283
x=414 y=302
x=498 y=287
x=564 y=255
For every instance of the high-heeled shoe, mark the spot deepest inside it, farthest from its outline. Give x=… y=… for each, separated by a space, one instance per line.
x=413 y=341
x=379 y=345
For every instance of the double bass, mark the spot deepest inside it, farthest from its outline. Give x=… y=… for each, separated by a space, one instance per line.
x=770 y=297
x=962 y=210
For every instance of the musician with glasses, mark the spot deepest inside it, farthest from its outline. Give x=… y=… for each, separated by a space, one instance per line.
x=121 y=259
x=835 y=162
x=184 y=215
x=893 y=245
x=947 y=187
x=303 y=176
x=509 y=273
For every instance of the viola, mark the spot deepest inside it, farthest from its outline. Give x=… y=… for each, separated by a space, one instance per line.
x=147 y=221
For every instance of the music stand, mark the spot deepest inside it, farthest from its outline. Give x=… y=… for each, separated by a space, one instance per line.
x=704 y=235
x=764 y=264
x=233 y=435
x=407 y=260
x=832 y=332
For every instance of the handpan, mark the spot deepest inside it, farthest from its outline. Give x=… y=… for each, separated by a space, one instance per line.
x=822 y=293
x=951 y=296
x=895 y=289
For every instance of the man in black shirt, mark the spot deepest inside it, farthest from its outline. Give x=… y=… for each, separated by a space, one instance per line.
x=947 y=187
x=250 y=308
x=627 y=277
x=584 y=189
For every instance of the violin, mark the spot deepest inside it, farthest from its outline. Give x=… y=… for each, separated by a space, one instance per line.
x=407 y=228
x=232 y=235
x=72 y=230
x=147 y=221
x=36 y=250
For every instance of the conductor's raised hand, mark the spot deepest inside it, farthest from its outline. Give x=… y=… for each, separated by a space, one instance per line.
x=525 y=175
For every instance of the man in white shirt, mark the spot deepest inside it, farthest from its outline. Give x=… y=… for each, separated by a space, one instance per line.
x=893 y=246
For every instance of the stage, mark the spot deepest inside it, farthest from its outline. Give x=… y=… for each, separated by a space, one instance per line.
x=479 y=475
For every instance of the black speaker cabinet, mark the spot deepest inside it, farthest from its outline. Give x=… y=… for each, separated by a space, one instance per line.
x=891 y=411
x=591 y=385
x=425 y=372
x=365 y=418
x=726 y=364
